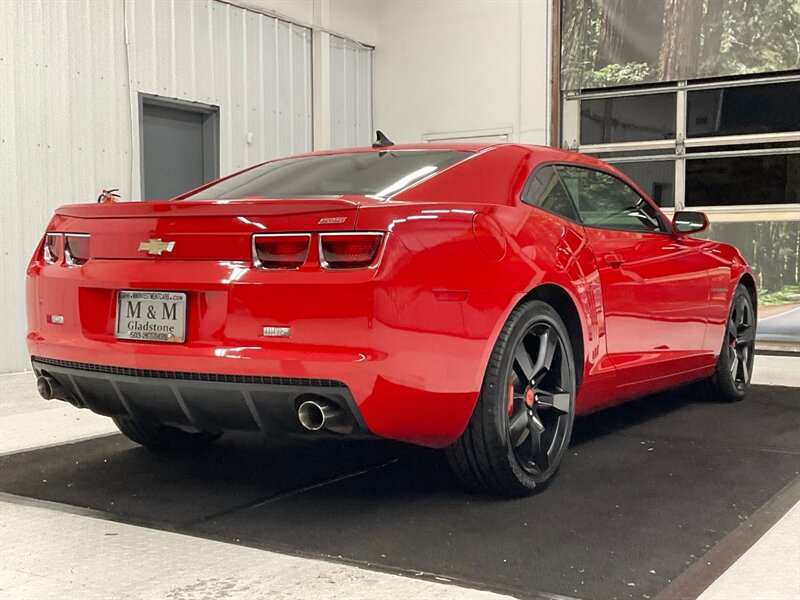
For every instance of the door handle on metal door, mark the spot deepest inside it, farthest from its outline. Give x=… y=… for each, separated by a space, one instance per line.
x=613 y=260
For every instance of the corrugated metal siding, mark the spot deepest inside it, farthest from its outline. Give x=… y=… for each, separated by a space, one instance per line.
x=64 y=131
x=351 y=93
x=255 y=68
x=66 y=122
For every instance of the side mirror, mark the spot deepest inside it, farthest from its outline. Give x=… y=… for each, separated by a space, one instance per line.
x=686 y=221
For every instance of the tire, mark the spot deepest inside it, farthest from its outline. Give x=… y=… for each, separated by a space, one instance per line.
x=735 y=364
x=522 y=421
x=154 y=436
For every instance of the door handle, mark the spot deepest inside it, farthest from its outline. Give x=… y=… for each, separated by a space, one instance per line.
x=613 y=260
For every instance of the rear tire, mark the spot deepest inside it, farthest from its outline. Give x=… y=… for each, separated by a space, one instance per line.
x=155 y=436
x=522 y=421
x=735 y=364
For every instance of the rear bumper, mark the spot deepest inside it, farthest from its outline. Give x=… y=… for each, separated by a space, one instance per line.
x=197 y=401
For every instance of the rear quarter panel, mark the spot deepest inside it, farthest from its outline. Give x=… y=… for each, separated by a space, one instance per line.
x=462 y=293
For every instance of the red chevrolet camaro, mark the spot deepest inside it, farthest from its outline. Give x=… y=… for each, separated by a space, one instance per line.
x=469 y=297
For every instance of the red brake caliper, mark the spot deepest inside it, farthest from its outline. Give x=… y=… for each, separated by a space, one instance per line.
x=510 y=398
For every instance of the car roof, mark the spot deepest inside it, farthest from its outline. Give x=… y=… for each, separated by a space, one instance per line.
x=541 y=153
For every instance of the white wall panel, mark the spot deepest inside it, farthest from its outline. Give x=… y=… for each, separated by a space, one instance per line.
x=351 y=93
x=446 y=67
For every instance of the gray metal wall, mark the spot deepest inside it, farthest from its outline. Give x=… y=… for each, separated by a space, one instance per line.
x=255 y=68
x=351 y=93
x=70 y=77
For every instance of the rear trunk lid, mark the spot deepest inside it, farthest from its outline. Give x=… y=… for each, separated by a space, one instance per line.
x=200 y=230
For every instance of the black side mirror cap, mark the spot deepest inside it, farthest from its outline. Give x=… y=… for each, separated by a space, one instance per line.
x=687 y=221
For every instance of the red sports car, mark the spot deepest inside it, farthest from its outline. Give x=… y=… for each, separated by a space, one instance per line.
x=461 y=296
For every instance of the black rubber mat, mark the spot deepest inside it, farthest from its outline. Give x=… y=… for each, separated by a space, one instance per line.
x=645 y=490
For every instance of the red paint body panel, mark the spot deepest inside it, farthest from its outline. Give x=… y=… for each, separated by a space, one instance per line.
x=412 y=335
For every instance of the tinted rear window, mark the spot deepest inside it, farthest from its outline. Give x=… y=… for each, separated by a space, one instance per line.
x=356 y=173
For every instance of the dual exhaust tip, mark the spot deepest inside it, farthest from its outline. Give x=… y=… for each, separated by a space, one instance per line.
x=50 y=389
x=318 y=414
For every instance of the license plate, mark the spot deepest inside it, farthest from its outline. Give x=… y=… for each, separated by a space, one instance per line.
x=151 y=316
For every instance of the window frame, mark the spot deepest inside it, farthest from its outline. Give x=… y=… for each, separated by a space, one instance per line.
x=675 y=150
x=662 y=219
x=563 y=187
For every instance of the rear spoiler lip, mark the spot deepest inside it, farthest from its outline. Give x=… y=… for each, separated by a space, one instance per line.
x=207 y=208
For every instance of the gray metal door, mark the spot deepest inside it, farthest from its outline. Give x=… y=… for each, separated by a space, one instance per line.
x=179 y=148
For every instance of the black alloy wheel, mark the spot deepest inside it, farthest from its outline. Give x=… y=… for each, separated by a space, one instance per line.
x=741 y=338
x=735 y=364
x=539 y=399
x=522 y=422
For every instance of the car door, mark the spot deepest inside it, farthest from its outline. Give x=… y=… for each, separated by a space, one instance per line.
x=654 y=286
x=572 y=258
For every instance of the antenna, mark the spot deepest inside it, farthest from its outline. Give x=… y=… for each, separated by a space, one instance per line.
x=382 y=141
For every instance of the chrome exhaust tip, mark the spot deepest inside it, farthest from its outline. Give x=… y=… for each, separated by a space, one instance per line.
x=321 y=414
x=49 y=388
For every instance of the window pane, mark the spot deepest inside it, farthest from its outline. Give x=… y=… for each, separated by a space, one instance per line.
x=736 y=147
x=544 y=189
x=661 y=152
x=741 y=110
x=606 y=202
x=631 y=119
x=360 y=173
x=743 y=180
x=656 y=178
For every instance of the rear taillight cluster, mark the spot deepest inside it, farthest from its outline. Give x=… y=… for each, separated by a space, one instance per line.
x=348 y=250
x=280 y=251
x=351 y=250
x=73 y=248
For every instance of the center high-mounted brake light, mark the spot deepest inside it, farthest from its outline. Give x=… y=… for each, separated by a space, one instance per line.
x=348 y=250
x=280 y=251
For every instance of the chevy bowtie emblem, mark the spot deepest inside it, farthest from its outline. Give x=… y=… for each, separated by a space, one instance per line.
x=156 y=246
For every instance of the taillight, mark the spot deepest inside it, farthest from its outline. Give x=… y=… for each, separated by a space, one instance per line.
x=280 y=251
x=348 y=250
x=76 y=249
x=53 y=248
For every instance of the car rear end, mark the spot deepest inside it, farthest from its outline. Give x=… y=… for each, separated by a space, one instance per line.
x=209 y=314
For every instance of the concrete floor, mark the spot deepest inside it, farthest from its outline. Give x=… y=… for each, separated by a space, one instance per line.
x=38 y=540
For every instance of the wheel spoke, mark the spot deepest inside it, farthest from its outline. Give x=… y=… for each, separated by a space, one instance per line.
x=523 y=361
x=534 y=422
x=559 y=401
x=744 y=360
x=740 y=308
x=548 y=341
x=518 y=428
x=538 y=451
x=746 y=336
x=731 y=327
x=734 y=365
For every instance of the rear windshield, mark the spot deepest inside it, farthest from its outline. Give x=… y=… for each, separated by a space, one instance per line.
x=356 y=173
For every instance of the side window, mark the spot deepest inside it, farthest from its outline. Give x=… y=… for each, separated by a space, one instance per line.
x=607 y=202
x=544 y=189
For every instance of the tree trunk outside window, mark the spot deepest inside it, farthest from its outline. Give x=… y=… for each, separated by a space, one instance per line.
x=680 y=40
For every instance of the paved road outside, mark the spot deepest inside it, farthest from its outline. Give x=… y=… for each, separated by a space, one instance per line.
x=783 y=326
